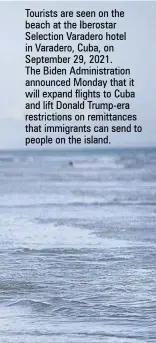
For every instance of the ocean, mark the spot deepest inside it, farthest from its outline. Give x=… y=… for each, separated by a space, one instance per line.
x=78 y=246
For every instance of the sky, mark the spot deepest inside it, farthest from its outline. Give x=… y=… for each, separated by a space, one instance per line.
x=138 y=53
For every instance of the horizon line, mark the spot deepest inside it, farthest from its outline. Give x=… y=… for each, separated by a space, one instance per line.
x=78 y=148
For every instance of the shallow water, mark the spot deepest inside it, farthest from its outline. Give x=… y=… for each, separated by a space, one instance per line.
x=78 y=247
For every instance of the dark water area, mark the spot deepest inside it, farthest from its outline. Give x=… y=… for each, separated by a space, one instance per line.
x=78 y=246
